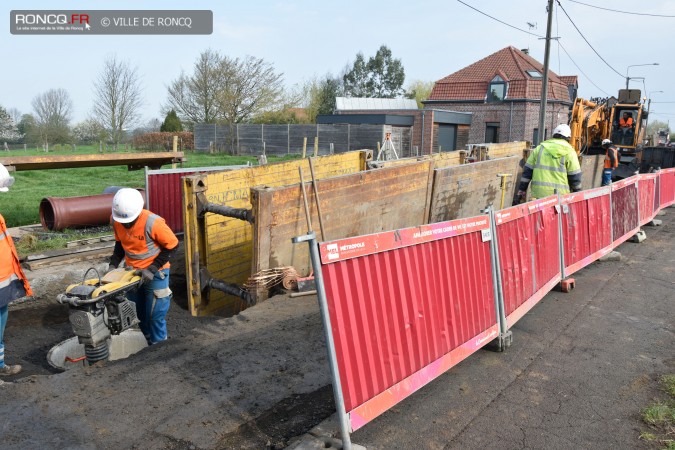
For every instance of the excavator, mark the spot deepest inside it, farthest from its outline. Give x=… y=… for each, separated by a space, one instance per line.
x=591 y=122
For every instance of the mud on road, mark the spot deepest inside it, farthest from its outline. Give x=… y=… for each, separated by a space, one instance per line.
x=254 y=381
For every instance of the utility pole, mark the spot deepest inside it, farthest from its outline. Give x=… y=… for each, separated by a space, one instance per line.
x=544 y=82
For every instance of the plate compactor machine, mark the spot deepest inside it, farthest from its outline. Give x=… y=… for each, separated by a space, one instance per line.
x=99 y=309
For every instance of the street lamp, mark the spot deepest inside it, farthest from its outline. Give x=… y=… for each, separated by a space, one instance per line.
x=636 y=65
x=649 y=104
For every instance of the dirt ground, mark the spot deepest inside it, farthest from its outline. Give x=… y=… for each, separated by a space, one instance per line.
x=581 y=368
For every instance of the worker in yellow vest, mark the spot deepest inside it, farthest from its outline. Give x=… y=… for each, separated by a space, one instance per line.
x=611 y=161
x=13 y=282
x=146 y=243
x=553 y=165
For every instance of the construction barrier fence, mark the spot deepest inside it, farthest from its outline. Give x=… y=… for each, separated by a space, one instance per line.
x=404 y=306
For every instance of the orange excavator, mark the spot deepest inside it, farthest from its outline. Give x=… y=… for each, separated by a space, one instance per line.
x=621 y=120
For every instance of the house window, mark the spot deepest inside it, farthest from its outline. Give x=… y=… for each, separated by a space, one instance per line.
x=496 y=90
x=491 y=132
x=535 y=135
x=534 y=74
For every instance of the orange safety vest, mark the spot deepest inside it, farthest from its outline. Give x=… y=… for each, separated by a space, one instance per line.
x=145 y=239
x=608 y=162
x=626 y=123
x=10 y=268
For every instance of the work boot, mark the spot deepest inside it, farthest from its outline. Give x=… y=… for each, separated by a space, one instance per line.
x=10 y=370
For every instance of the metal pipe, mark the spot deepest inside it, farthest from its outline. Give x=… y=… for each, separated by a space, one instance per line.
x=59 y=213
x=316 y=197
x=228 y=211
x=304 y=198
x=310 y=238
x=503 y=327
x=493 y=267
x=231 y=289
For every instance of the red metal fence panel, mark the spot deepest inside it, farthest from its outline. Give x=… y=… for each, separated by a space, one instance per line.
x=405 y=306
x=529 y=254
x=164 y=195
x=646 y=189
x=625 y=215
x=586 y=227
x=667 y=187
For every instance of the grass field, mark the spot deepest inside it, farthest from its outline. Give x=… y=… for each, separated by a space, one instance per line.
x=20 y=206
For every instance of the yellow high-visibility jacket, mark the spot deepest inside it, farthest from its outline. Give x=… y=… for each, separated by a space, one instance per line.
x=554 y=164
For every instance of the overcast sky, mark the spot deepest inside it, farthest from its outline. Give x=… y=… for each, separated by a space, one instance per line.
x=307 y=38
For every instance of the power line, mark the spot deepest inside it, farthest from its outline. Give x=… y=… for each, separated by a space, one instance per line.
x=622 y=12
x=589 y=44
x=582 y=72
x=502 y=22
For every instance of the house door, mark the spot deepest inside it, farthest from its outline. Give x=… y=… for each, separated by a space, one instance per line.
x=447 y=137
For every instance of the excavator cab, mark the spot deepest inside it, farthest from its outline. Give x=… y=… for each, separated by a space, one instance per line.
x=625 y=119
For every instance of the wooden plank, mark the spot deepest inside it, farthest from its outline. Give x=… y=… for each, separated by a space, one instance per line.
x=67 y=259
x=134 y=160
x=80 y=242
x=591 y=171
x=465 y=190
x=353 y=205
x=69 y=251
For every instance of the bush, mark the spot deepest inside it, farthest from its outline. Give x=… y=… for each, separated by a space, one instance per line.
x=164 y=141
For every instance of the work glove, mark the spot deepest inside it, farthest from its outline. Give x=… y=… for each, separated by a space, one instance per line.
x=148 y=274
x=522 y=195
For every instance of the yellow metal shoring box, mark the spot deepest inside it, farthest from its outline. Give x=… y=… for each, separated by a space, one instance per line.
x=224 y=245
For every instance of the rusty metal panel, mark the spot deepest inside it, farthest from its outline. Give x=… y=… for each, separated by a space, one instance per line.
x=591 y=171
x=647 y=189
x=133 y=160
x=586 y=227
x=529 y=254
x=405 y=306
x=164 y=196
x=625 y=213
x=352 y=205
x=465 y=190
x=224 y=245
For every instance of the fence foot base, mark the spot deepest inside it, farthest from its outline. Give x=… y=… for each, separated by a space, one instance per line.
x=501 y=343
x=611 y=256
x=639 y=237
x=655 y=223
x=567 y=285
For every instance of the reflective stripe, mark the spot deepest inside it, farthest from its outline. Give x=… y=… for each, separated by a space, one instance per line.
x=574 y=172
x=529 y=166
x=153 y=250
x=552 y=168
x=553 y=185
x=525 y=180
x=5 y=283
x=3 y=235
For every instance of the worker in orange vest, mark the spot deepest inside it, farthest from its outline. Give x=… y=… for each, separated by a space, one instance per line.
x=626 y=126
x=13 y=282
x=611 y=161
x=146 y=243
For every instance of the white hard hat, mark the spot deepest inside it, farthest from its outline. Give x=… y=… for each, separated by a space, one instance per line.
x=127 y=205
x=563 y=130
x=5 y=179
x=606 y=142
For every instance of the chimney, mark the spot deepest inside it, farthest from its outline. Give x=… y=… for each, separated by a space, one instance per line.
x=525 y=50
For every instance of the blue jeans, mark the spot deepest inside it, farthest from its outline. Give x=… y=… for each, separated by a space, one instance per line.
x=3 y=323
x=607 y=177
x=152 y=310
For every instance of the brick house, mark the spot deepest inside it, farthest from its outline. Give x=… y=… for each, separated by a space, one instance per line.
x=503 y=92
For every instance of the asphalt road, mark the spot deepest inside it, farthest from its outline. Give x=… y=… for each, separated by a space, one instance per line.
x=581 y=367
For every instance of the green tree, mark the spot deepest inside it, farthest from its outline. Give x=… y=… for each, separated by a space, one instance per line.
x=382 y=76
x=282 y=116
x=654 y=127
x=319 y=95
x=419 y=90
x=171 y=123
x=8 y=129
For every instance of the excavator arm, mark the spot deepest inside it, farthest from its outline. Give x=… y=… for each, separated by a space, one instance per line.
x=589 y=124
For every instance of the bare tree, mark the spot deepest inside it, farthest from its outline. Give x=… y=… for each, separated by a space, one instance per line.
x=15 y=114
x=52 y=115
x=118 y=98
x=193 y=97
x=224 y=89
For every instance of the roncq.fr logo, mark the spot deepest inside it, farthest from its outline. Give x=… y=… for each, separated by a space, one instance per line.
x=51 y=19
